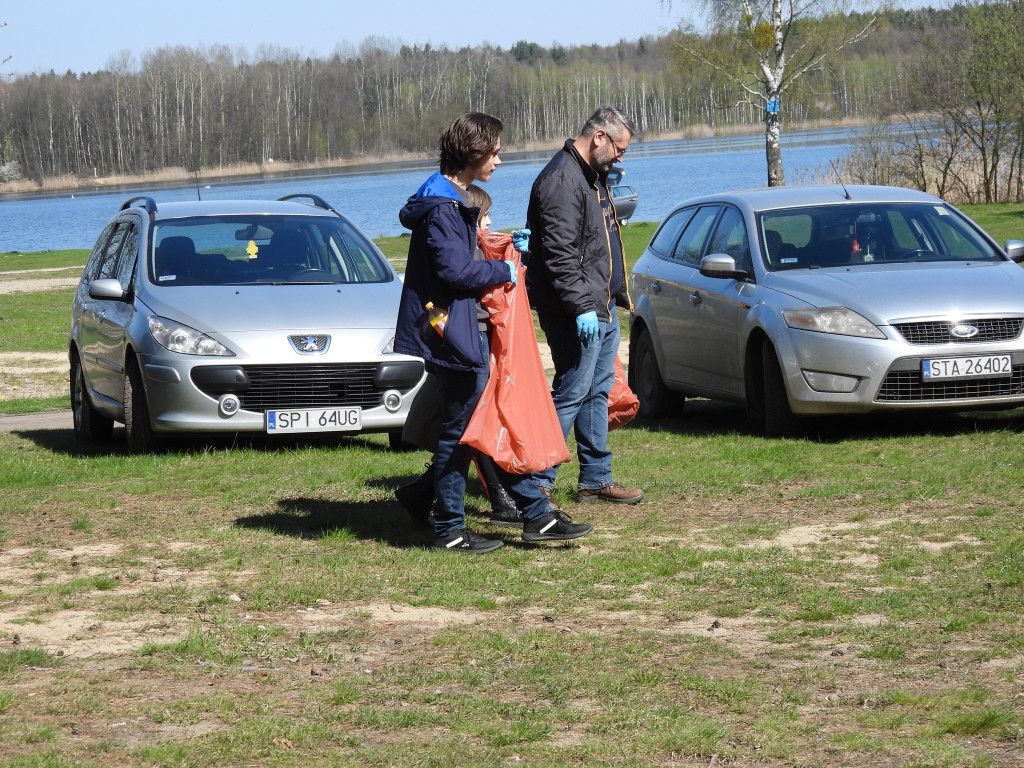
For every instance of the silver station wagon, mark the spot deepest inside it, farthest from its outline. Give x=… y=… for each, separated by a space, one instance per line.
x=273 y=317
x=826 y=300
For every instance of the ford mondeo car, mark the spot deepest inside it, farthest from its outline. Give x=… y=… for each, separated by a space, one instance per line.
x=270 y=317
x=826 y=300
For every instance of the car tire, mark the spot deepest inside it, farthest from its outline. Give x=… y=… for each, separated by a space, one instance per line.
x=141 y=438
x=89 y=424
x=778 y=418
x=655 y=398
x=397 y=444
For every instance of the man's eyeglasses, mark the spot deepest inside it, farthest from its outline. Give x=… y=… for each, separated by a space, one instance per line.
x=619 y=151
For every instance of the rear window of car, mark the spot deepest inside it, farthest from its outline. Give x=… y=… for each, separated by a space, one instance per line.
x=862 y=233
x=248 y=250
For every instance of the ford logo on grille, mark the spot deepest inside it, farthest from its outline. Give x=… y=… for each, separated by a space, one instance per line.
x=963 y=331
x=310 y=344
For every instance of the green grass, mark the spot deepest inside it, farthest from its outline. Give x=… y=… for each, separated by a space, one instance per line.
x=1004 y=221
x=18 y=260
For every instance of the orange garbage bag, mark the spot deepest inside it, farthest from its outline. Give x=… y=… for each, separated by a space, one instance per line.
x=623 y=405
x=515 y=421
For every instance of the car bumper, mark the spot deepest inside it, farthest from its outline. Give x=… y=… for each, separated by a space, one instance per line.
x=886 y=375
x=179 y=405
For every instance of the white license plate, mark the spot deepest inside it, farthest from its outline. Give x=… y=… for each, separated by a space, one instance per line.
x=990 y=366
x=314 y=420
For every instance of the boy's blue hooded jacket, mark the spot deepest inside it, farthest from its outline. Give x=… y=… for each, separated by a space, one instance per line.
x=441 y=269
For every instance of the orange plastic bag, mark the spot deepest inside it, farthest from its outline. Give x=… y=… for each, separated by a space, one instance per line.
x=515 y=421
x=623 y=405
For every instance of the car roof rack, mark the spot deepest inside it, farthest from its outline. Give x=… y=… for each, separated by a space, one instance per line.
x=318 y=201
x=149 y=205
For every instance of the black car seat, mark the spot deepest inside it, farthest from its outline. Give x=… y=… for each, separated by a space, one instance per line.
x=176 y=260
x=286 y=253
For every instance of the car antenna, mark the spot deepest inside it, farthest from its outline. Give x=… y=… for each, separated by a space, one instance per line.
x=198 y=193
x=840 y=178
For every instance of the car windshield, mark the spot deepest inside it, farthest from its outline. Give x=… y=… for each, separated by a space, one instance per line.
x=263 y=250
x=869 y=233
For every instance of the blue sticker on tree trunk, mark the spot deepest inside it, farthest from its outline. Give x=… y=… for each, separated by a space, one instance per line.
x=772 y=106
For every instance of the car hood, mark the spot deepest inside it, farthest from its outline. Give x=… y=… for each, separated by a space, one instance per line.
x=884 y=293
x=237 y=308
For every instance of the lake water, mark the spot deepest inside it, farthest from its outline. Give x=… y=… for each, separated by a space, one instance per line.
x=662 y=172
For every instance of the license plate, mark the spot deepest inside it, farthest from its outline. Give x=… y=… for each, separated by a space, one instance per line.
x=314 y=420
x=990 y=366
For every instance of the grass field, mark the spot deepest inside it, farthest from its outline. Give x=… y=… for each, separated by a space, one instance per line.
x=852 y=599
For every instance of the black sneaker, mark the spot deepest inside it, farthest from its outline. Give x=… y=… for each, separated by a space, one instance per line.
x=554 y=526
x=464 y=540
x=417 y=506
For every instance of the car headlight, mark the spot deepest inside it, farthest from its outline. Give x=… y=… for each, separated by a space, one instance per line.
x=176 y=337
x=838 y=320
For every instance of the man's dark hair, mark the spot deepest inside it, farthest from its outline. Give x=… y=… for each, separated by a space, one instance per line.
x=467 y=140
x=610 y=120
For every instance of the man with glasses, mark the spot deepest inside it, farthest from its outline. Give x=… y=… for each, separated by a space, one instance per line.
x=576 y=277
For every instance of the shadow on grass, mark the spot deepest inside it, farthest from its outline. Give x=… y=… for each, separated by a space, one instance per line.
x=64 y=442
x=385 y=522
x=311 y=518
x=706 y=418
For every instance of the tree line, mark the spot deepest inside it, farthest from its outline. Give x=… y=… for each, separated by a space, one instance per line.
x=211 y=107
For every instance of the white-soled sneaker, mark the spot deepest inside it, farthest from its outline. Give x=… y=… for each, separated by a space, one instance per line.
x=464 y=540
x=554 y=526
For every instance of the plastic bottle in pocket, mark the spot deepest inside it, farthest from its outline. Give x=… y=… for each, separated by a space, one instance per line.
x=438 y=317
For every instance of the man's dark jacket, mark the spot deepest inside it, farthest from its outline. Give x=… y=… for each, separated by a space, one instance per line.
x=569 y=264
x=441 y=269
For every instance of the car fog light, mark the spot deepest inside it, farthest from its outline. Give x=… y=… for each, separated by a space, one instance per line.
x=392 y=400
x=228 y=405
x=830 y=382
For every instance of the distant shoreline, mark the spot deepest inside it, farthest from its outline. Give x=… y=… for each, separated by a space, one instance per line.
x=179 y=175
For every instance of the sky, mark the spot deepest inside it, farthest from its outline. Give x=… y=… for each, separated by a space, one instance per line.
x=86 y=35
x=89 y=35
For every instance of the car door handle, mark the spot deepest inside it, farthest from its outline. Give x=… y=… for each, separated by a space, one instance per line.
x=656 y=287
x=695 y=299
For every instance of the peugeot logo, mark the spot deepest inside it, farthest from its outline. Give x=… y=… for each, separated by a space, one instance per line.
x=310 y=344
x=963 y=331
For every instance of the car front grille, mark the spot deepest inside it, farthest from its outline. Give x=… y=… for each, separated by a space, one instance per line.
x=908 y=386
x=325 y=385
x=937 y=332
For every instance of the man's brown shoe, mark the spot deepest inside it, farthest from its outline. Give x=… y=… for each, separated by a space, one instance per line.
x=615 y=493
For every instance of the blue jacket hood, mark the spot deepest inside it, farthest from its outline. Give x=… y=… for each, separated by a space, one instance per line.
x=435 y=191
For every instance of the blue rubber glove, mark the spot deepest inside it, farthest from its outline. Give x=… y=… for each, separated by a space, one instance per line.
x=587 y=327
x=513 y=278
x=521 y=240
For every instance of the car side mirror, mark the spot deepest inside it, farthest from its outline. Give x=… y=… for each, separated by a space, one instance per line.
x=721 y=265
x=1015 y=250
x=107 y=288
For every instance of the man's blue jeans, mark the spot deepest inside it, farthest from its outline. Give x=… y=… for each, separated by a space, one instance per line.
x=460 y=391
x=584 y=374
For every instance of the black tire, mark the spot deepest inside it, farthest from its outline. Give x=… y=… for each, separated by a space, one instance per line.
x=90 y=424
x=397 y=444
x=137 y=427
x=645 y=377
x=778 y=418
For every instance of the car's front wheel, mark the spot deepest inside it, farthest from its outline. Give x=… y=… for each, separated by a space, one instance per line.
x=655 y=398
x=768 y=403
x=89 y=424
x=141 y=438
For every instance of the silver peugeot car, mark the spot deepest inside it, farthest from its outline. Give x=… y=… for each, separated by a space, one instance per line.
x=264 y=317
x=819 y=300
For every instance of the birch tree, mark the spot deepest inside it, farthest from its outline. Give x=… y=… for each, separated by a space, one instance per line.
x=781 y=43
